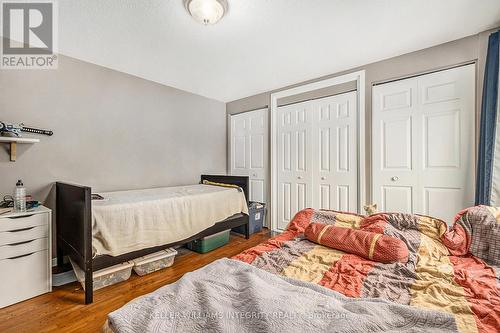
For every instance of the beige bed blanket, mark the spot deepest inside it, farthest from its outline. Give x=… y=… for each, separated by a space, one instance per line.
x=128 y=221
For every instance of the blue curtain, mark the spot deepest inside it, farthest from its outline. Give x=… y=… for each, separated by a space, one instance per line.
x=488 y=123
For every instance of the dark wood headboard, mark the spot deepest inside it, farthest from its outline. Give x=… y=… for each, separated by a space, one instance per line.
x=241 y=181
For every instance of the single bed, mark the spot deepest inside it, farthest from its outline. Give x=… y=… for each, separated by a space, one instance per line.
x=451 y=275
x=125 y=225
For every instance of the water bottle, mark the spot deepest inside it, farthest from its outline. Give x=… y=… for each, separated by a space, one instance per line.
x=20 y=197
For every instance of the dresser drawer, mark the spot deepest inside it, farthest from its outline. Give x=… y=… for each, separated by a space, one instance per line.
x=15 y=250
x=26 y=221
x=24 y=234
x=24 y=277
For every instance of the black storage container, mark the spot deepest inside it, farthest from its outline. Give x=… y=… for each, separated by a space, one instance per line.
x=256 y=218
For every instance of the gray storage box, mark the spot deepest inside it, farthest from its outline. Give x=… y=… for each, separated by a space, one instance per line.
x=105 y=277
x=256 y=218
x=154 y=262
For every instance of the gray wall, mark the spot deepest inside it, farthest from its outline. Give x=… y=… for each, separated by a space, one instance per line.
x=468 y=49
x=113 y=131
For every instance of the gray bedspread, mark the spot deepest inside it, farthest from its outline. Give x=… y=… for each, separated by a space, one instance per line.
x=232 y=296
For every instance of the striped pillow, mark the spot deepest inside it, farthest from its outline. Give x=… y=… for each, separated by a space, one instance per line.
x=369 y=245
x=207 y=182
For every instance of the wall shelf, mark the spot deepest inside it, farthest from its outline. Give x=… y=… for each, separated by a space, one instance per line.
x=13 y=141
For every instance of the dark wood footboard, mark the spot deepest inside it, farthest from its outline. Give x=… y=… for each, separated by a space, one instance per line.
x=74 y=229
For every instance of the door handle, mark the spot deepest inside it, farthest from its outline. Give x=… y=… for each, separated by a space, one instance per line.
x=395 y=178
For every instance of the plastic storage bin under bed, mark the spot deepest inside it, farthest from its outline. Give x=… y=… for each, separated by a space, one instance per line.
x=209 y=243
x=154 y=262
x=121 y=272
x=105 y=277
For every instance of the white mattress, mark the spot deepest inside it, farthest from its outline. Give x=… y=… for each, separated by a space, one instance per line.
x=128 y=221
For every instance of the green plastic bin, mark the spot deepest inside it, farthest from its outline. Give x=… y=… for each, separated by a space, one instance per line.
x=209 y=243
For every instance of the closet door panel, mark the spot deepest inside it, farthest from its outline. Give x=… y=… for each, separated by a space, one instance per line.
x=394 y=146
x=447 y=104
x=257 y=190
x=345 y=199
x=317 y=156
x=249 y=150
x=423 y=143
x=294 y=160
x=239 y=129
x=258 y=152
x=343 y=148
x=397 y=199
x=335 y=152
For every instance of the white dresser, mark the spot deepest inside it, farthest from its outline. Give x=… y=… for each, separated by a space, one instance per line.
x=25 y=255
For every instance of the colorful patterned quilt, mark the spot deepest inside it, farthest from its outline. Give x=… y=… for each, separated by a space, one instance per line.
x=434 y=277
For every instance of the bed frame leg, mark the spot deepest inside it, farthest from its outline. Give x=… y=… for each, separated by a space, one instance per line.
x=247 y=230
x=60 y=257
x=89 y=287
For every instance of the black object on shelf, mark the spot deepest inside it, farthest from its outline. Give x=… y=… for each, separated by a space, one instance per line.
x=16 y=129
x=37 y=131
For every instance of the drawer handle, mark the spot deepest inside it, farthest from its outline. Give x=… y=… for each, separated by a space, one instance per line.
x=20 y=217
x=23 y=255
x=18 y=230
x=20 y=243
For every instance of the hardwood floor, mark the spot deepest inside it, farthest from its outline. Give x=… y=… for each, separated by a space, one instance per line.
x=63 y=310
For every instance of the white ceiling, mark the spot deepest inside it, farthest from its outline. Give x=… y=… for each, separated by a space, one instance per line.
x=261 y=44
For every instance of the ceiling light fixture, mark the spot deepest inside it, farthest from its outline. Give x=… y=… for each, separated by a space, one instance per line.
x=206 y=11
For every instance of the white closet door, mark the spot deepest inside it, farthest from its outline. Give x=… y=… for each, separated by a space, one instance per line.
x=394 y=146
x=335 y=152
x=294 y=152
x=249 y=150
x=258 y=154
x=239 y=141
x=317 y=156
x=423 y=143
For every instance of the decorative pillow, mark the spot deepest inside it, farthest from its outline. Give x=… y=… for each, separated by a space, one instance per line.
x=369 y=245
x=207 y=182
x=477 y=231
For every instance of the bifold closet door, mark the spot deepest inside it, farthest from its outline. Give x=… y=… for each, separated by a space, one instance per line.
x=294 y=149
x=316 y=156
x=335 y=153
x=249 y=150
x=423 y=143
